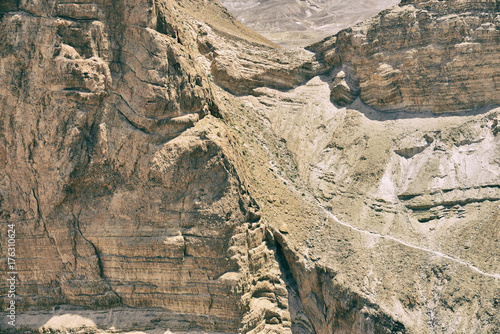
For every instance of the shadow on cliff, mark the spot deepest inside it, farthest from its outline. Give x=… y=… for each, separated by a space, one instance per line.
x=382 y=116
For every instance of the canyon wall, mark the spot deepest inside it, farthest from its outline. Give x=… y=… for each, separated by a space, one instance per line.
x=118 y=174
x=438 y=56
x=168 y=169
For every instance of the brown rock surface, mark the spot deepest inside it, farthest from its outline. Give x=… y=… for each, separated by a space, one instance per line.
x=122 y=188
x=345 y=89
x=147 y=198
x=240 y=66
x=439 y=56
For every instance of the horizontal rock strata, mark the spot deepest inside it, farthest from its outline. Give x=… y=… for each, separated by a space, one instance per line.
x=439 y=56
x=140 y=180
x=120 y=181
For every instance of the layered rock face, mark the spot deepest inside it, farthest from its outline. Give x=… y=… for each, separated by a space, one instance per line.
x=115 y=202
x=146 y=197
x=439 y=56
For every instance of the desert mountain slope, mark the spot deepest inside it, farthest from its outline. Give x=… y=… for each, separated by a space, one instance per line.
x=297 y=22
x=407 y=212
x=167 y=170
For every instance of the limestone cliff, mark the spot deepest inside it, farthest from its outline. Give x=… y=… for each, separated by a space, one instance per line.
x=168 y=170
x=115 y=201
x=439 y=56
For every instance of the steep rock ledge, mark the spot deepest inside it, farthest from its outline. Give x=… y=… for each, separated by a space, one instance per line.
x=122 y=186
x=240 y=67
x=439 y=56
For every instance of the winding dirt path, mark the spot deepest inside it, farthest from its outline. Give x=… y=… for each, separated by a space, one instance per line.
x=496 y=276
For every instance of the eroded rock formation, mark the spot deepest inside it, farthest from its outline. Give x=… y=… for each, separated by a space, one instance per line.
x=147 y=196
x=439 y=56
x=115 y=201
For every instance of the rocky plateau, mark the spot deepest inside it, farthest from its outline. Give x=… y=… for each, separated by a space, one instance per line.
x=168 y=170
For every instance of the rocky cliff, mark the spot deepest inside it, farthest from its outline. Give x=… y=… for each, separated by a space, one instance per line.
x=120 y=180
x=169 y=170
x=439 y=56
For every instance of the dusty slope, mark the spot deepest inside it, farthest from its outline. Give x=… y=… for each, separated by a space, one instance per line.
x=298 y=23
x=409 y=223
